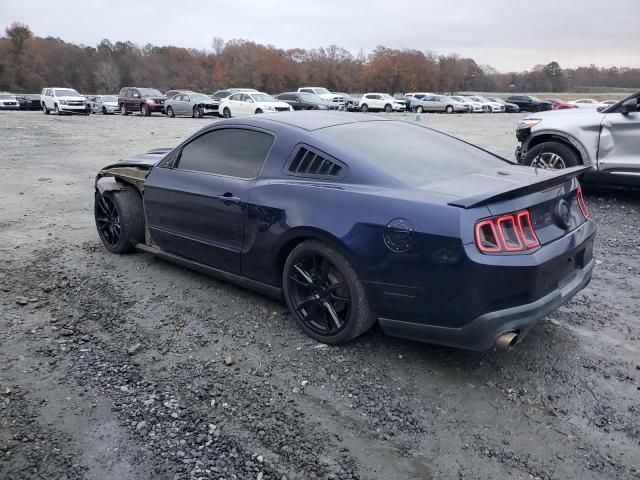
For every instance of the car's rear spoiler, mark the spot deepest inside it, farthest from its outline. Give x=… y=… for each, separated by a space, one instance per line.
x=535 y=186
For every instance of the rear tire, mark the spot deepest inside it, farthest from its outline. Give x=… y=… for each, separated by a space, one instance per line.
x=226 y=113
x=119 y=218
x=551 y=155
x=259 y=111
x=334 y=313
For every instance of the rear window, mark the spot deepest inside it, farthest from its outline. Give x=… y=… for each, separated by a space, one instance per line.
x=414 y=155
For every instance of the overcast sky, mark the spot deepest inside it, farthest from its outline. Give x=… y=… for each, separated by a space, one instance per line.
x=507 y=34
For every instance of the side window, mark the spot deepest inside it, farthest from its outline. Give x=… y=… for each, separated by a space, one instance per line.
x=232 y=152
x=235 y=97
x=287 y=96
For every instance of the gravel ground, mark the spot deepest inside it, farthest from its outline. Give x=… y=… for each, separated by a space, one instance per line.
x=127 y=367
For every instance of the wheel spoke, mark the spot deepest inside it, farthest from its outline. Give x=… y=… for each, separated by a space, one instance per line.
x=304 y=274
x=333 y=314
x=307 y=301
x=338 y=298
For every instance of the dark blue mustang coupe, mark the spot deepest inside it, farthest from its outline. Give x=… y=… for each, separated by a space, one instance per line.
x=355 y=220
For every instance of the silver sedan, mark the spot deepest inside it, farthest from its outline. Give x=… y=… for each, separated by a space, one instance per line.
x=190 y=104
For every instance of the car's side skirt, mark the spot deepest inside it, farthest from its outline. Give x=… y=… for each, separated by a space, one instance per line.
x=239 y=280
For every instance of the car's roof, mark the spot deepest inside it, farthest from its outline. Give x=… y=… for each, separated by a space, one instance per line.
x=310 y=120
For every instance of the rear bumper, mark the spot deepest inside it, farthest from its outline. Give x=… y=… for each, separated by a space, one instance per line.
x=481 y=333
x=471 y=302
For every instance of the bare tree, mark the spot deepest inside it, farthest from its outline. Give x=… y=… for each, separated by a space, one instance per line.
x=107 y=77
x=218 y=45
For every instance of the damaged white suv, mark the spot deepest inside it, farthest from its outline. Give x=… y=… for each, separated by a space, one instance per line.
x=64 y=100
x=607 y=139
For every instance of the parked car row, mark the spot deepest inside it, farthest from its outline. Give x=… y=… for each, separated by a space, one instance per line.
x=248 y=101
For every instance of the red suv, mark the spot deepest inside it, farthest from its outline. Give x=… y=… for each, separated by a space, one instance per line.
x=142 y=100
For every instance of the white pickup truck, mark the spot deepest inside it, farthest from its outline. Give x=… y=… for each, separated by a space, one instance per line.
x=323 y=93
x=64 y=100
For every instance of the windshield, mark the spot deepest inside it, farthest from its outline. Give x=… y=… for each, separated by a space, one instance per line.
x=150 y=92
x=263 y=97
x=109 y=98
x=414 y=155
x=200 y=97
x=534 y=98
x=321 y=91
x=310 y=97
x=480 y=99
x=460 y=99
x=66 y=92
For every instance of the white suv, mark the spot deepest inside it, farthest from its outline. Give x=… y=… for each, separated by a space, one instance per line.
x=64 y=100
x=381 y=101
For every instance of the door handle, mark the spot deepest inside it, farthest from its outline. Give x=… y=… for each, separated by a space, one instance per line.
x=228 y=198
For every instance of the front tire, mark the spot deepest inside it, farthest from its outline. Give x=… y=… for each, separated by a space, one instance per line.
x=197 y=112
x=119 y=219
x=57 y=110
x=364 y=108
x=388 y=108
x=45 y=109
x=123 y=109
x=144 y=110
x=226 y=113
x=325 y=294
x=449 y=109
x=419 y=109
x=552 y=156
x=259 y=111
x=170 y=113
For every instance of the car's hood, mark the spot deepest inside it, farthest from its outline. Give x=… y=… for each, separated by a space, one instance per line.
x=568 y=117
x=278 y=104
x=156 y=99
x=143 y=160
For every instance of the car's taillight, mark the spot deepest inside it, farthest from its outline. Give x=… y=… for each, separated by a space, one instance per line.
x=506 y=233
x=582 y=203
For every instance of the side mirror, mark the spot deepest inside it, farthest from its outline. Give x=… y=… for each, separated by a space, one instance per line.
x=629 y=106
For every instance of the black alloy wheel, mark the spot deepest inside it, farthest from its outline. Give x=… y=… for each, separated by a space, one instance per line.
x=119 y=217
x=324 y=293
x=108 y=221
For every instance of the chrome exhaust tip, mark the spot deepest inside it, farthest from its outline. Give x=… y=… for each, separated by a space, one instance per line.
x=506 y=341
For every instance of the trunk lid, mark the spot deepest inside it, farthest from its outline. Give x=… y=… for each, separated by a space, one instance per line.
x=550 y=196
